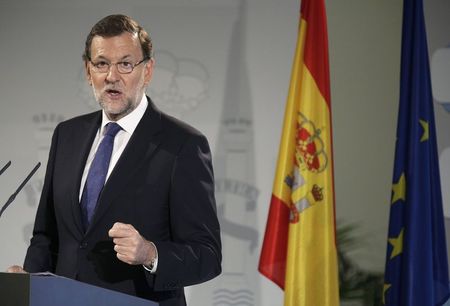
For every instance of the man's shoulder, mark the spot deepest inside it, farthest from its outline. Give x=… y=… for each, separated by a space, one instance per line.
x=174 y=125
x=76 y=122
x=178 y=134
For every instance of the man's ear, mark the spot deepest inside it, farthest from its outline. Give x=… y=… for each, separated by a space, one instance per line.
x=87 y=70
x=149 y=70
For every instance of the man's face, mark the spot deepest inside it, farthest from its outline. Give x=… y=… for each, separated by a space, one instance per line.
x=118 y=94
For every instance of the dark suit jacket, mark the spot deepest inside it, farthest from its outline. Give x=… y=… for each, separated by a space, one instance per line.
x=162 y=185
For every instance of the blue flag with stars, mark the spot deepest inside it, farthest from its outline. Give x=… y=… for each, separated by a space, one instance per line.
x=416 y=259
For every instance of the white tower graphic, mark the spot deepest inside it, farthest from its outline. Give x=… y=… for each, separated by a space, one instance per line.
x=236 y=196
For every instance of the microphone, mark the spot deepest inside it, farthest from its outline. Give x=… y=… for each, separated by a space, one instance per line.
x=5 y=167
x=13 y=196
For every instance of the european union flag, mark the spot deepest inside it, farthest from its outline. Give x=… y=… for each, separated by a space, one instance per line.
x=416 y=262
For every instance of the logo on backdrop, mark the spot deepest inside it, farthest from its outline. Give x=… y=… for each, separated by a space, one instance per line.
x=179 y=85
x=440 y=76
x=250 y=194
x=44 y=124
x=84 y=92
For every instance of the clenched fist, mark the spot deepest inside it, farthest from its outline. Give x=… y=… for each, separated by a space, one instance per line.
x=130 y=246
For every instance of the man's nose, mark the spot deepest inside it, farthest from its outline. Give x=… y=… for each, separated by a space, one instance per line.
x=113 y=74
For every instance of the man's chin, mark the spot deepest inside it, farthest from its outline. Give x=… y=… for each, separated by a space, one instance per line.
x=113 y=107
x=115 y=113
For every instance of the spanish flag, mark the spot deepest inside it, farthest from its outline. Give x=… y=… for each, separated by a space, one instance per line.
x=299 y=249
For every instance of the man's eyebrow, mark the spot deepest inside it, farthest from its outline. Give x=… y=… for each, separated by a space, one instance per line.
x=101 y=57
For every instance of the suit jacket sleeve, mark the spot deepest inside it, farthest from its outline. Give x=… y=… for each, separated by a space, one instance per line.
x=42 y=252
x=194 y=253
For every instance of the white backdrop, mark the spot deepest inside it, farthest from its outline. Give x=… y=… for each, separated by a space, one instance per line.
x=224 y=67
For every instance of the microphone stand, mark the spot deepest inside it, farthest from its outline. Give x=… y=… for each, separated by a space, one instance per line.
x=13 y=196
x=5 y=167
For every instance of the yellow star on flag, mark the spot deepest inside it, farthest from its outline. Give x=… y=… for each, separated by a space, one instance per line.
x=399 y=189
x=397 y=244
x=426 y=133
x=385 y=288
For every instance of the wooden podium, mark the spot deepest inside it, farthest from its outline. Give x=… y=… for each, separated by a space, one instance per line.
x=52 y=290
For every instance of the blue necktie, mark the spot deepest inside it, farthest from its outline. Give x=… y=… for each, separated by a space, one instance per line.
x=97 y=174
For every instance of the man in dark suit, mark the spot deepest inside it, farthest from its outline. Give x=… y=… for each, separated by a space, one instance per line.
x=131 y=210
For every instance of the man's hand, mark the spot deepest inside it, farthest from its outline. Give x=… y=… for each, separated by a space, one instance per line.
x=16 y=269
x=130 y=246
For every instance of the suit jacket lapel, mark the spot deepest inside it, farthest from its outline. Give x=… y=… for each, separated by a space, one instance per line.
x=141 y=145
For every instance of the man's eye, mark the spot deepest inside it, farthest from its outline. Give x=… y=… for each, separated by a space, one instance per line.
x=101 y=64
x=126 y=64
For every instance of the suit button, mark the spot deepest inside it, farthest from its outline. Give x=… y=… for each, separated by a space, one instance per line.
x=83 y=245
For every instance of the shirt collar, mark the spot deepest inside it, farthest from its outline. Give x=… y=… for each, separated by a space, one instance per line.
x=130 y=121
